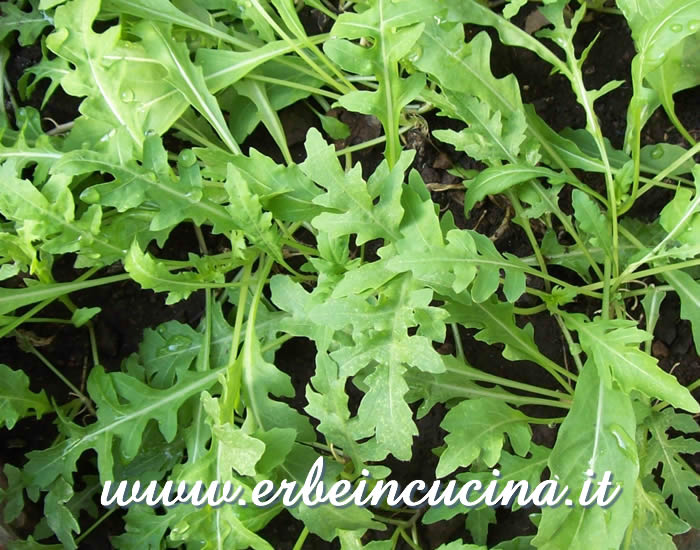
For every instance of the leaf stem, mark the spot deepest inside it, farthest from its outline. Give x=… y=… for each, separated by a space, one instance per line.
x=94 y=526
x=234 y=370
x=299 y=544
x=458 y=342
x=28 y=346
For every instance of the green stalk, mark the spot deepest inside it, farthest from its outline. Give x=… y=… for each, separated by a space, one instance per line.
x=295 y=85
x=310 y=62
x=458 y=342
x=576 y=79
x=657 y=179
x=525 y=224
x=25 y=344
x=475 y=374
x=233 y=370
x=299 y=544
x=569 y=228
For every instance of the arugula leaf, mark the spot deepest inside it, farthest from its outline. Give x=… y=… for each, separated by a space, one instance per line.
x=656 y=32
x=29 y=24
x=392 y=28
x=678 y=476
x=115 y=419
x=155 y=276
x=596 y=437
x=108 y=99
x=17 y=400
x=246 y=212
x=476 y=431
x=58 y=516
x=136 y=183
x=612 y=346
x=53 y=69
x=592 y=222
x=688 y=291
x=185 y=76
x=351 y=198
x=328 y=402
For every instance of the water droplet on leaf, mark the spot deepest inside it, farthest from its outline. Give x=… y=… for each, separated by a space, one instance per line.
x=657 y=152
x=150 y=132
x=175 y=344
x=676 y=27
x=416 y=55
x=127 y=95
x=187 y=158
x=694 y=26
x=624 y=442
x=90 y=195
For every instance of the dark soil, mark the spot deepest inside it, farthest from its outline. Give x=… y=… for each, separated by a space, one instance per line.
x=127 y=310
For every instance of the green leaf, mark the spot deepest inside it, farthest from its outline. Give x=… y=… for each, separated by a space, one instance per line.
x=283 y=190
x=655 y=158
x=488 y=137
x=134 y=184
x=27 y=150
x=17 y=400
x=384 y=406
x=570 y=257
x=681 y=216
x=471 y=11
x=104 y=84
x=238 y=451
x=592 y=222
x=261 y=382
x=459 y=545
x=613 y=347
x=654 y=522
x=165 y=12
x=496 y=323
x=351 y=200
x=58 y=516
x=476 y=431
x=53 y=69
x=293 y=299
x=14 y=298
x=124 y=407
x=185 y=76
x=688 y=291
x=516 y=468
x=493 y=181
x=498 y=128
x=155 y=276
x=143 y=528
x=12 y=494
x=46 y=218
x=391 y=28
x=167 y=351
x=328 y=402
x=596 y=436
x=679 y=477
x=468 y=259
x=478 y=521
x=334 y=127
x=380 y=330
x=83 y=314
x=247 y=214
x=656 y=33
x=29 y=24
